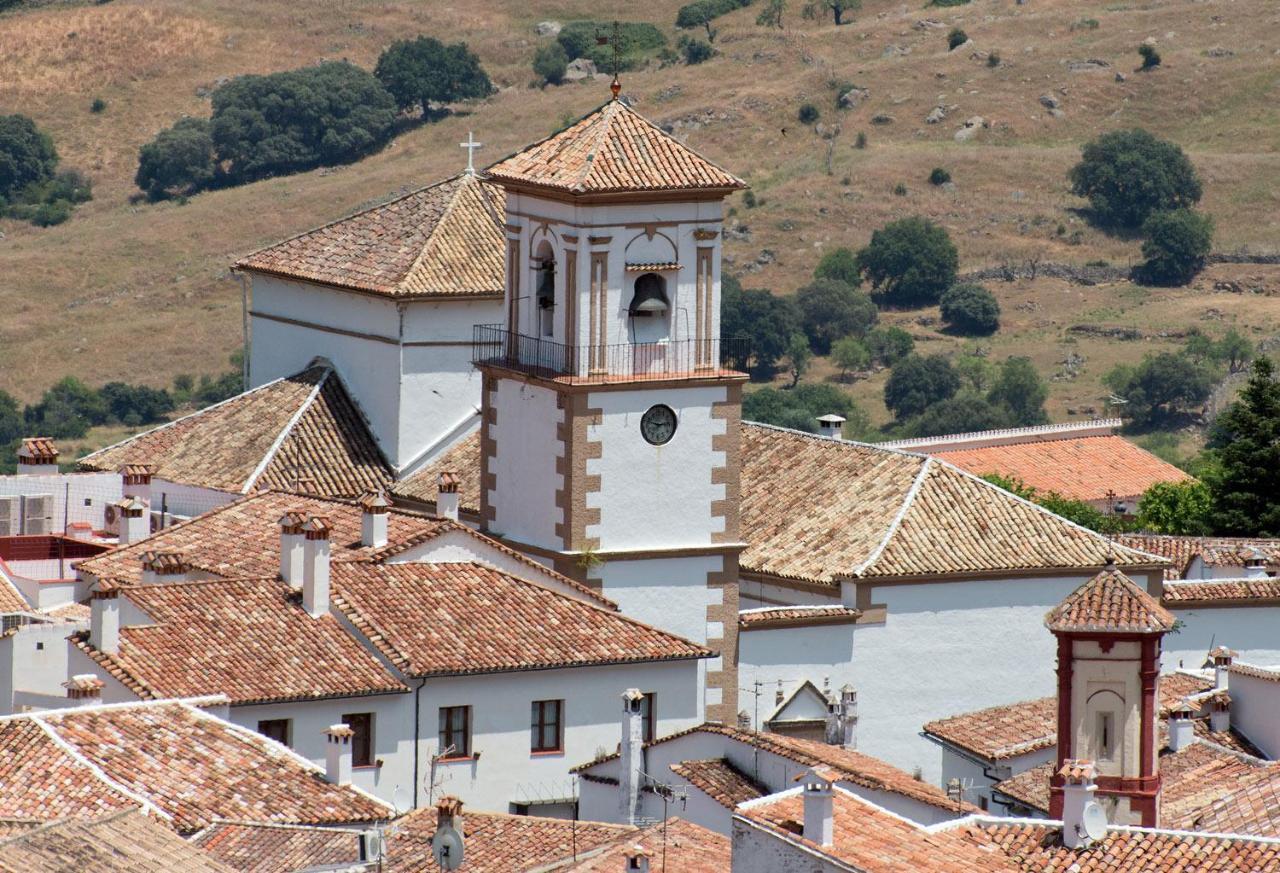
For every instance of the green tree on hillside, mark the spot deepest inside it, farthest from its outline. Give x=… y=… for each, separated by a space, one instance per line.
x=1020 y=390
x=1163 y=385
x=840 y=264
x=837 y=8
x=830 y=309
x=1179 y=508
x=179 y=160
x=798 y=408
x=910 y=262
x=702 y=12
x=849 y=353
x=771 y=14
x=799 y=355
x=1176 y=245
x=27 y=155
x=888 y=345
x=550 y=63
x=916 y=383
x=766 y=322
x=1128 y=175
x=965 y=413
x=1246 y=440
x=970 y=309
x=423 y=71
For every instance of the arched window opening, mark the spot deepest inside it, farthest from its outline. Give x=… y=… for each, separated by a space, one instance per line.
x=650 y=297
x=545 y=291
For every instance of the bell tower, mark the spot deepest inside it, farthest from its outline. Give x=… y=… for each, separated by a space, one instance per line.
x=1109 y=632
x=610 y=429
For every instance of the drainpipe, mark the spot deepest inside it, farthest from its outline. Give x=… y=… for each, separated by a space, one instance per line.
x=417 y=740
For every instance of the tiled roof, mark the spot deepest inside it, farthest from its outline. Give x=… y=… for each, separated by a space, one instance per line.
x=1030 y=787
x=787 y=616
x=187 y=765
x=1270 y=674
x=874 y=840
x=448 y=619
x=497 y=843
x=720 y=780
x=1216 y=551
x=1039 y=848
x=1110 y=601
x=1002 y=731
x=677 y=844
x=255 y=847
x=1222 y=591
x=1082 y=468
x=445 y=240
x=11 y=599
x=613 y=149
x=303 y=427
x=462 y=459
x=242 y=538
x=122 y=842
x=816 y=508
x=38 y=449
x=247 y=638
x=847 y=764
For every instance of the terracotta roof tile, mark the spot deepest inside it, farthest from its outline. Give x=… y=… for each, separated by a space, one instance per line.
x=1222 y=591
x=680 y=845
x=720 y=780
x=448 y=619
x=1082 y=468
x=445 y=240
x=255 y=847
x=789 y=616
x=1030 y=787
x=39 y=450
x=1110 y=601
x=1270 y=674
x=11 y=599
x=1216 y=551
x=613 y=149
x=463 y=460
x=304 y=427
x=187 y=764
x=247 y=638
x=123 y=842
x=1001 y=732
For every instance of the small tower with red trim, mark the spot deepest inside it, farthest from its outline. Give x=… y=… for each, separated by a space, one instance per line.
x=1109 y=632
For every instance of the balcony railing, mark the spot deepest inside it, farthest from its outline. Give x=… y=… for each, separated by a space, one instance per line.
x=679 y=359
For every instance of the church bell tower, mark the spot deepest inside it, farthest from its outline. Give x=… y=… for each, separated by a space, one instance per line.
x=610 y=432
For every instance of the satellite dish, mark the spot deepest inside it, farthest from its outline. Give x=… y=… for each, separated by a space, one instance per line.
x=446 y=848
x=1094 y=821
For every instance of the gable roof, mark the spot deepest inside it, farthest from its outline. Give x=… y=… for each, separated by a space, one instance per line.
x=455 y=619
x=720 y=780
x=249 y=639
x=1250 y=590
x=304 y=426
x=1000 y=732
x=816 y=508
x=1110 y=601
x=613 y=149
x=675 y=844
x=444 y=240
x=121 y=842
x=182 y=764
x=1215 y=551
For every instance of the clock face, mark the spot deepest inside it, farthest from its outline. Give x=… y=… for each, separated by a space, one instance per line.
x=658 y=425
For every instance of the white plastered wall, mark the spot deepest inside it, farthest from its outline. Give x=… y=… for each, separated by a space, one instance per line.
x=781 y=659
x=1253 y=632
x=1255 y=711
x=33 y=666
x=524 y=465
x=75 y=497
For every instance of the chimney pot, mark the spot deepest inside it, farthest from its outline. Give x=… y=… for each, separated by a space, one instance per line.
x=819 y=807
x=135 y=520
x=1222 y=658
x=1220 y=712
x=315 y=566
x=1255 y=565
x=1078 y=789
x=842 y=719
x=1182 y=731
x=164 y=567
x=636 y=860
x=338 y=754
x=632 y=754
x=37 y=456
x=831 y=425
x=447 y=496
x=85 y=689
x=291 y=546
x=373 y=520
x=104 y=621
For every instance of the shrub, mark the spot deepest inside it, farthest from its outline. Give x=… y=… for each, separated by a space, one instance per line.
x=1175 y=247
x=831 y=309
x=1020 y=390
x=1129 y=174
x=888 y=345
x=939 y=176
x=963 y=413
x=550 y=63
x=422 y=71
x=1085 y=24
x=178 y=161
x=993 y=59
x=808 y=113
x=135 y=404
x=1150 y=57
x=68 y=409
x=49 y=214
x=1162 y=386
x=956 y=38
x=764 y=319
x=900 y=190
x=287 y=122
x=771 y=14
x=971 y=309
x=1179 y=508
x=840 y=264
x=696 y=51
x=850 y=353
x=636 y=41
x=98 y=105
x=945 y=3
x=910 y=262
x=27 y=155
x=799 y=407
x=917 y=383
x=749 y=199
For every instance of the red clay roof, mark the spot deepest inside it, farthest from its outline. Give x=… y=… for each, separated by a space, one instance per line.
x=255 y=847
x=1215 y=551
x=1082 y=468
x=720 y=780
x=122 y=842
x=1222 y=591
x=1110 y=601
x=613 y=149
x=1002 y=731
x=677 y=844
x=449 y=619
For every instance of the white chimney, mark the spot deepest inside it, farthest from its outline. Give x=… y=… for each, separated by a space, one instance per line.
x=135 y=480
x=135 y=520
x=1255 y=565
x=337 y=754
x=831 y=425
x=1182 y=729
x=373 y=521
x=315 y=566
x=1220 y=712
x=37 y=456
x=85 y=689
x=636 y=859
x=1078 y=788
x=819 y=808
x=842 y=719
x=449 y=839
x=631 y=763
x=104 y=621
x=1222 y=658
x=291 y=546
x=160 y=567
x=447 y=496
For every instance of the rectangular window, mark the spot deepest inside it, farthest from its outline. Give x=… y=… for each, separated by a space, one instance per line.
x=275 y=729
x=648 y=716
x=1106 y=736
x=361 y=724
x=546 y=726
x=455 y=731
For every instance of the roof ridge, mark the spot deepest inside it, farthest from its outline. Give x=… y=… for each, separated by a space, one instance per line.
x=907 y=502
x=837 y=441
x=97 y=772
x=288 y=427
x=609 y=113
x=430 y=242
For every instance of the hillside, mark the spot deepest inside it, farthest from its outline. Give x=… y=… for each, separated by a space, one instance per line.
x=142 y=292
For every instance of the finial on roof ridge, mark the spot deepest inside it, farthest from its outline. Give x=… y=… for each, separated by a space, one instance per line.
x=615 y=86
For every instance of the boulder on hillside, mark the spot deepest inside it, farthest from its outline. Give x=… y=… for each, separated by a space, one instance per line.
x=1048 y=101
x=548 y=28
x=853 y=98
x=580 y=68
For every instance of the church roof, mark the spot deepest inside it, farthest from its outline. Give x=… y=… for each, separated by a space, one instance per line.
x=612 y=150
x=302 y=428
x=1113 y=602
x=444 y=240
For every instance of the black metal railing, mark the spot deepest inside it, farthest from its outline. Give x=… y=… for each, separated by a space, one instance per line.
x=691 y=358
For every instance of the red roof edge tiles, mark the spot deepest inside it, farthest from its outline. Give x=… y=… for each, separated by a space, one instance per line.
x=796 y=616
x=1110 y=602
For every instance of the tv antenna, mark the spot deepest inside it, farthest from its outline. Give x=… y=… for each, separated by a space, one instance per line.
x=615 y=86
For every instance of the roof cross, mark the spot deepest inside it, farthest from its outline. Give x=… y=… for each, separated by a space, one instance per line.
x=471 y=145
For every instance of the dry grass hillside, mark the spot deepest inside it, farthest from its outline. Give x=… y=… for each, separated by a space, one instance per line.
x=142 y=292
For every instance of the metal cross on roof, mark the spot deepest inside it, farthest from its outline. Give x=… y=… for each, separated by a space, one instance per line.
x=471 y=145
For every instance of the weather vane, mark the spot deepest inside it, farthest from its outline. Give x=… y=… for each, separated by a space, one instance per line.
x=471 y=145
x=615 y=86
